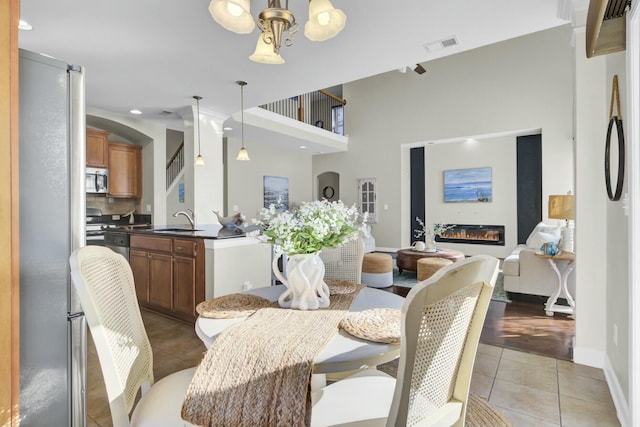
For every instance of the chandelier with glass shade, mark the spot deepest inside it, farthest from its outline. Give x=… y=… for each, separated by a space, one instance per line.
x=277 y=24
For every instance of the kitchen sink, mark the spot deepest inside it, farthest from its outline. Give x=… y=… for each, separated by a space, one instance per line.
x=175 y=230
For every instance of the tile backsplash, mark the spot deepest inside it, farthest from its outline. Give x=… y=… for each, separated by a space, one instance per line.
x=113 y=205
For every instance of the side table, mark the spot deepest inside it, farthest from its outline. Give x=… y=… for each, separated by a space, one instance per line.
x=551 y=307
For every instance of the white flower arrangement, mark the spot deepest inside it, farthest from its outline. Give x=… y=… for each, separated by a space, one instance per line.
x=311 y=227
x=434 y=231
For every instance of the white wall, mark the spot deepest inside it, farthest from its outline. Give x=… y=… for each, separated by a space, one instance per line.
x=617 y=231
x=520 y=84
x=497 y=153
x=174 y=204
x=590 y=233
x=245 y=179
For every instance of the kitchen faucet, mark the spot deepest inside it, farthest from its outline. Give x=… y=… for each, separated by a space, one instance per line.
x=191 y=218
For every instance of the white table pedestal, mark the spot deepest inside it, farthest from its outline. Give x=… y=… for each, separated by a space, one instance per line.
x=551 y=307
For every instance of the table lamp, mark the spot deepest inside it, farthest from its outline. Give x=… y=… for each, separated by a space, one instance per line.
x=563 y=207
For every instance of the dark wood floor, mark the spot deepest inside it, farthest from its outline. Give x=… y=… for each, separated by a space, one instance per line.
x=523 y=325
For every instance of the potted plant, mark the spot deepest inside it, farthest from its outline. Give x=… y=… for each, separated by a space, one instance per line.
x=301 y=235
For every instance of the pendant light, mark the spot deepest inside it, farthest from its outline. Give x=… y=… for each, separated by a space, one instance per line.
x=199 y=159
x=243 y=154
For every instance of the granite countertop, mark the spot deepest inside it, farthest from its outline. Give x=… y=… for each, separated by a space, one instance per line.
x=202 y=231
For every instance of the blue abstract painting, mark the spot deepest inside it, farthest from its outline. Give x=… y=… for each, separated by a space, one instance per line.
x=467 y=185
x=276 y=192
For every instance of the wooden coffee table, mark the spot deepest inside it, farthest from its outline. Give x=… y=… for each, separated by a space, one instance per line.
x=407 y=259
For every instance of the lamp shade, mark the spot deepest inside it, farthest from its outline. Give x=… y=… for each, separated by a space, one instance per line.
x=234 y=15
x=199 y=160
x=265 y=54
x=243 y=154
x=324 y=21
x=562 y=207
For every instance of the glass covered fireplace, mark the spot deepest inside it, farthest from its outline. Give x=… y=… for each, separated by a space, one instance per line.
x=473 y=234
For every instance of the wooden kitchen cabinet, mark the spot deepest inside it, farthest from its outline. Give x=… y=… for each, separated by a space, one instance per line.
x=168 y=274
x=97 y=148
x=125 y=170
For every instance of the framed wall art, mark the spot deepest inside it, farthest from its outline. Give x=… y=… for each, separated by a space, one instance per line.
x=276 y=192
x=467 y=185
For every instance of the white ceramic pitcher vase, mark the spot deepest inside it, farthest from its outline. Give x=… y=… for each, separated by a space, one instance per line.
x=306 y=289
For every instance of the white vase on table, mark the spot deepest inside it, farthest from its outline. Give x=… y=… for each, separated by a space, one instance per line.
x=306 y=289
x=431 y=243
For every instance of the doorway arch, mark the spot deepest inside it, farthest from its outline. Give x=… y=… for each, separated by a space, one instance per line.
x=328 y=186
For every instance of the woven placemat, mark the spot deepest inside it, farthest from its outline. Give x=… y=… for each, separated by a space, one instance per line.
x=375 y=324
x=232 y=306
x=340 y=287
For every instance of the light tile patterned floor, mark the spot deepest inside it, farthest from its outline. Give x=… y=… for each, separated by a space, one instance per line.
x=531 y=390
x=542 y=391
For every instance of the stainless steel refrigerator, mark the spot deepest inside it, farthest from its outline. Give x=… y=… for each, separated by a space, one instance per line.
x=52 y=225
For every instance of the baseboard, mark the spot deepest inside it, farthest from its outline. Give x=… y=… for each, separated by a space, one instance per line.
x=589 y=357
x=622 y=407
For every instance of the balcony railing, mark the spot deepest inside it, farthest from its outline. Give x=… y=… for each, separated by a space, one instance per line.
x=320 y=108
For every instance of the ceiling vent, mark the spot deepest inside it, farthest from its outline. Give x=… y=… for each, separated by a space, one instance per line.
x=606 y=26
x=165 y=113
x=441 y=44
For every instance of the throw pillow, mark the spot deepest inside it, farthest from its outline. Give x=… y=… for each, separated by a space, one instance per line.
x=540 y=238
x=535 y=240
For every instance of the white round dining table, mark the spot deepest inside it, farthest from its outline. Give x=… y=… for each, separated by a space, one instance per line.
x=344 y=352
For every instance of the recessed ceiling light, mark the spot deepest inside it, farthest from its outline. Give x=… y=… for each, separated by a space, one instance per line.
x=227 y=128
x=24 y=25
x=135 y=111
x=303 y=146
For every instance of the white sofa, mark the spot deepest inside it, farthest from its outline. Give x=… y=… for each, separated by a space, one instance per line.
x=526 y=273
x=369 y=241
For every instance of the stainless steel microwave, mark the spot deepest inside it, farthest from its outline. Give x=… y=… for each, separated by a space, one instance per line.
x=97 y=180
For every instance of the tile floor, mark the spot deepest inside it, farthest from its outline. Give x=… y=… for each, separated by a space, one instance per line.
x=531 y=390
x=540 y=391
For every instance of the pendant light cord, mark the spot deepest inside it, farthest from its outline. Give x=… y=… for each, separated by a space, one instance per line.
x=242 y=85
x=198 y=98
x=242 y=113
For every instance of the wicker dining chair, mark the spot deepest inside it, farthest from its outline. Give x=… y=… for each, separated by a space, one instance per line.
x=442 y=320
x=345 y=262
x=104 y=282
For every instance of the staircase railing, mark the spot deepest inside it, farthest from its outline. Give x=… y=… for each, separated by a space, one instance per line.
x=175 y=165
x=320 y=108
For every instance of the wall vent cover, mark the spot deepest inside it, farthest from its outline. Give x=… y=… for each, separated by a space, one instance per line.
x=441 y=44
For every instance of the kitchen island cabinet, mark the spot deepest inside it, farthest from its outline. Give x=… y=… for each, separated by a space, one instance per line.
x=176 y=268
x=125 y=170
x=235 y=265
x=168 y=274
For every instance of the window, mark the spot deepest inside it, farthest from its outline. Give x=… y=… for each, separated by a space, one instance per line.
x=337 y=119
x=367 y=194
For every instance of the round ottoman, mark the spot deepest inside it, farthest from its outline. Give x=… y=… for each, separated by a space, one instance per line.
x=377 y=270
x=428 y=266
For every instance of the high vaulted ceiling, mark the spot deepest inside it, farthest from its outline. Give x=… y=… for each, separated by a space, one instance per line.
x=154 y=55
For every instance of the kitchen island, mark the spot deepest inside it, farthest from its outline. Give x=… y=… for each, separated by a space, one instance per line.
x=175 y=268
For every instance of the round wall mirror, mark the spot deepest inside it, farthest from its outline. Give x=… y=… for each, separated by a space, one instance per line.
x=614 y=150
